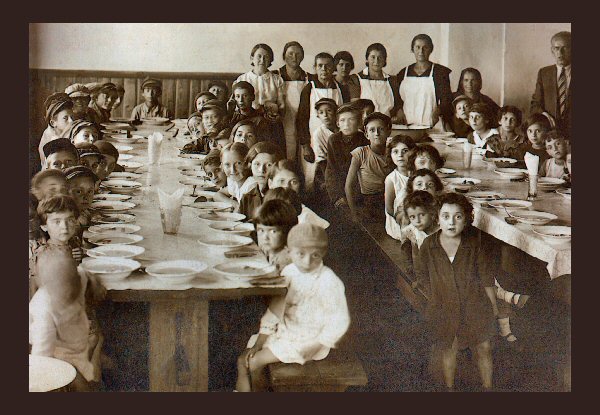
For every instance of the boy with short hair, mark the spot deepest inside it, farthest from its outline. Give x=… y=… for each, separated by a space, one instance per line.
x=82 y=131
x=91 y=157
x=326 y=112
x=216 y=131
x=111 y=155
x=212 y=166
x=365 y=106
x=60 y=154
x=339 y=147
x=59 y=115
x=82 y=183
x=151 y=107
x=557 y=148
x=80 y=95
x=102 y=98
x=219 y=89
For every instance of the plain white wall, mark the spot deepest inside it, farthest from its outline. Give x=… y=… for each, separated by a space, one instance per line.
x=211 y=47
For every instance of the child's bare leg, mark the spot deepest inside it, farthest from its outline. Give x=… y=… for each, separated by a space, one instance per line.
x=449 y=363
x=258 y=362
x=243 y=381
x=483 y=354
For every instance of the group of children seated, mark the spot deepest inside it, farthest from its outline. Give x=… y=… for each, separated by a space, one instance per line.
x=366 y=174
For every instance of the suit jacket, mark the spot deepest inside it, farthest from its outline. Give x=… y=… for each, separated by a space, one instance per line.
x=545 y=98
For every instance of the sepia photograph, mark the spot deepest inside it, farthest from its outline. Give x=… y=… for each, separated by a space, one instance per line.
x=300 y=207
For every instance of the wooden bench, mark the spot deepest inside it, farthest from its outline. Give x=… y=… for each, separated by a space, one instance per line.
x=335 y=373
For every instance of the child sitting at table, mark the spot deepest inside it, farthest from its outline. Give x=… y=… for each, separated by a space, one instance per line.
x=58 y=323
x=557 y=148
x=111 y=155
x=202 y=98
x=260 y=158
x=91 y=157
x=151 y=107
x=537 y=126
x=212 y=167
x=305 y=324
x=482 y=121
x=339 y=147
x=424 y=156
x=326 y=109
x=398 y=150
x=370 y=167
x=421 y=210
x=219 y=90
x=80 y=95
x=239 y=175
x=59 y=115
x=60 y=154
x=82 y=131
x=424 y=179
x=215 y=130
x=103 y=96
x=509 y=143
x=194 y=125
x=459 y=124
x=458 y=264
x=273 y=221
x=82 y=183
x=244 y=132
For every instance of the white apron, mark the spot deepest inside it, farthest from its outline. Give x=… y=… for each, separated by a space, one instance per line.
x=379 y=91
x=418 y=94
x=313 y=123
x=292 y=90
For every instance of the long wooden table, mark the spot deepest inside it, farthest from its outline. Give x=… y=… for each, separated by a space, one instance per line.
x=178 y=358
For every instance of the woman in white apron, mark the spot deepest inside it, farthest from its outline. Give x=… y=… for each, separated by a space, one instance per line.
x=374 y=84
x=295 y=79
x=307 y=121
x=424 y=87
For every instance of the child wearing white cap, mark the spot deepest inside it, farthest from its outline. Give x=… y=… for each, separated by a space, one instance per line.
x=306 y=323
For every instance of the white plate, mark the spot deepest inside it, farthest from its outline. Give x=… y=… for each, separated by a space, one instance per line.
x=116 y=227
x=111 y=197
x=549 y=183
x=155 y=120
x=553 y=234
x=485 y=195
x=131 y=166
x=122 y=149
x=452 y=141
x=47 y=373
x=193 y=173
x=123 y=139
x=236 y=228
x=113 y=218
x=123 y=186
x=110 y=269
x=566 y=193
x=224 y=240
x=124 y=175
x=510 y=204
x=244 y=268
x=221 y=216
x=533 y=217
x=116 y=251
x=115 y=125
x=112 y=238
x=124 y=157
x=177 y=271
x=193 y=159
x=462 y=183
x=213 y=206
x=120 y=119
x=112 y=206
x=510 y=173
x=445 y=172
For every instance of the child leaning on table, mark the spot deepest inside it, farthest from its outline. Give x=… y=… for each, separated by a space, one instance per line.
x=58 y=324
x=537 y=126
x=239 y=175
x=305 y=324
x=557 y=148
x=212 y=167
x=509 y=143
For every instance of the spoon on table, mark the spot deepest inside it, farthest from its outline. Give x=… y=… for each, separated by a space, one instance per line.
x=511 y=220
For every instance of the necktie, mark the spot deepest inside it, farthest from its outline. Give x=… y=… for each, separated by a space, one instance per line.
x=562 y=93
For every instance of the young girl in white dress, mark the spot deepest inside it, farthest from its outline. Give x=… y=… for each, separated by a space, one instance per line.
x=398 y=149
x=306 y=323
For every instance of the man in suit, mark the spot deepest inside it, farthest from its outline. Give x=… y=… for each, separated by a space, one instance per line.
x=552 y=96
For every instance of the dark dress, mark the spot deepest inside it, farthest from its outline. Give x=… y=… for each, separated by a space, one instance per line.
x=459 y=306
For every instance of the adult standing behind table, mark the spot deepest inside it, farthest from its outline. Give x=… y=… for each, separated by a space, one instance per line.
x=374 y=84
x=102 y=99
x=295 y=79
x=552 y=96
x=344 y=64
x=151 y=107
x=425 y=92
x=470 y=84
x=268 y=86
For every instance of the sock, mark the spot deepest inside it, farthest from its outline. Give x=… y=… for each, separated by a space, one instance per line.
x=504 y=324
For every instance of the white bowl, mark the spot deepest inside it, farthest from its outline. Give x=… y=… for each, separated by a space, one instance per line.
x=115 y=125
x=462 y=183
x=113 y=218
x=177 y=271
x=124 y=157
x=112 y=206
x=131 y=166
x=123 y=138
x=223 y=240
x=566 y=193
x=111 y=197
x=549 y=184
x=510 y=173
x=123 y=175
x=221 y=216
x=485 y=196
x=510 y=204
x=116 y=251
x=533 y=217
x=213 y=206
x=122 y=149
x=192 y=159
x=244 y=268
x=110 y=269
x=553 y=234
x=117 y=227
x=236 y=228
x=121 y=186
x=445 y=172
x=113 y=238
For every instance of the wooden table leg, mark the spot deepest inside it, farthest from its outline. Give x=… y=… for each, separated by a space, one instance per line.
x=179 y=346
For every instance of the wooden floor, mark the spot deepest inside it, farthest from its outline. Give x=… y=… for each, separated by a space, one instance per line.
x=386 y=333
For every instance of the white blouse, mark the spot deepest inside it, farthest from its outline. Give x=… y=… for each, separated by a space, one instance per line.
x=481 y=141
x=267 y=87
x=237 y=191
